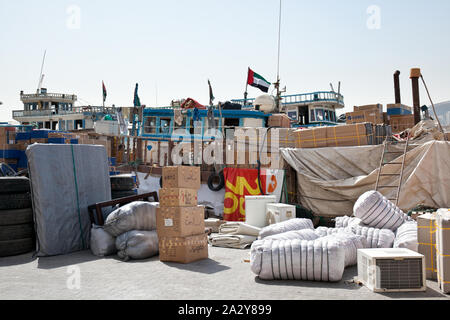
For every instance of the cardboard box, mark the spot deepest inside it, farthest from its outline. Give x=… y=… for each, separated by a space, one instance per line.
x=280 y=120
x=311 y=138
x=33 y=141
x=183 y=249
x=443 y=249
x=180 y=221
x=398 y=109
x=181 y=177
x=401 y=123
x=370 y=107
x=426 y=238
x=374 y=117
x=338 y=136
x=178 y=197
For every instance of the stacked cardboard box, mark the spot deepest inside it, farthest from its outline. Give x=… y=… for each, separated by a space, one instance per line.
x=180 y=221
x=339 y=136
x=370 y=113
x=398 y=109
x=401 y=123
x=426 y=238
x=443 y=249
x=280 y=120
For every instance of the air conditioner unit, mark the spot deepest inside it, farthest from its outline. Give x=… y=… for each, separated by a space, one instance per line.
x=391 y=270
x=279 y=212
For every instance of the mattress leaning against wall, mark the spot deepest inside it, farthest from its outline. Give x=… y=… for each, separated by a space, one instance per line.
x=65 y=180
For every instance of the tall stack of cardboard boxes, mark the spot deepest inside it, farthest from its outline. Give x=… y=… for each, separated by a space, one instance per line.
x=179 y=218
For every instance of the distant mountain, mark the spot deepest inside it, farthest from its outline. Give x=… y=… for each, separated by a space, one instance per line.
x=443 y=112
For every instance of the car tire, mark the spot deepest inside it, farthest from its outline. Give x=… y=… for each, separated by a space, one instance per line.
x=122 y=183
x=16 y=247
x=16 y=216
x=16 y=232
x=15 y=201
x=11 y=185
x=122 y=194
x=211 y=179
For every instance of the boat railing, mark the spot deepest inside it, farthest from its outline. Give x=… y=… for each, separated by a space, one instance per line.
x=303 y=98
x=49 y=112
x=34 y=96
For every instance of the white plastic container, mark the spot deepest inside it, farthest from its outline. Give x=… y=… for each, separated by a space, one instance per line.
x=279 y=212
x=255 y=210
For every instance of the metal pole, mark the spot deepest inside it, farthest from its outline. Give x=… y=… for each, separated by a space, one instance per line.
x=415 y=75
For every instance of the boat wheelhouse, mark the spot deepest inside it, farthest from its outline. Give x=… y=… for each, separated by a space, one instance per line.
x=57 y=111
x=308 y=109
x=162 y=123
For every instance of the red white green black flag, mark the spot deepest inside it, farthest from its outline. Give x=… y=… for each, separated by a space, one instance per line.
x=255 y=80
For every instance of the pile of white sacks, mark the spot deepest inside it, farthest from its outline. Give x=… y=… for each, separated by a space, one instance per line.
x=129 y=231
x=294 y=250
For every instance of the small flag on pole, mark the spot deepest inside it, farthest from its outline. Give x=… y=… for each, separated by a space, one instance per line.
x=136 y=100
x=104 y=92
x=255 y=80
x=211 y=95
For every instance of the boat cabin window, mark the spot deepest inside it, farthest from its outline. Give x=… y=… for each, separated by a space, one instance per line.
x=150 y=125
x=319 y=115
x=313 y=115
x=165 y=125
x=231 y=122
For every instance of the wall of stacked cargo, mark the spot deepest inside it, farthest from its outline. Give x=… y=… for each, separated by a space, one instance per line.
x=14 y=142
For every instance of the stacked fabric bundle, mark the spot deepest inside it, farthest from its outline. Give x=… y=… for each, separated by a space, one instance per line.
x=237 y=235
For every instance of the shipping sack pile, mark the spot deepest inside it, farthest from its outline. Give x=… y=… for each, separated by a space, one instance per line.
x=293 y=250
x=129 y=231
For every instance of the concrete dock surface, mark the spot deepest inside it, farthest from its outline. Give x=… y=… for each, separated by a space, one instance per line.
x=224 y=276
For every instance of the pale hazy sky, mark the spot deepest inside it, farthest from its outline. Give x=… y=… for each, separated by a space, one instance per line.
x=176 y=46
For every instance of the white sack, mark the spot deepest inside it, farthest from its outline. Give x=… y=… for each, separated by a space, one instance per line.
x=239 y=228
x=137 y=245
x=137 y=215
x=406 y=236
x=102 y=243
x=351 y=244
x=305 y=234
x=285 y=226
x=346 y=221
x=318 y=260
x=376 y=211
x=375 y=238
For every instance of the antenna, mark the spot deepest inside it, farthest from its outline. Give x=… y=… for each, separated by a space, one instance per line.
x=41 y=76
x=277 y=84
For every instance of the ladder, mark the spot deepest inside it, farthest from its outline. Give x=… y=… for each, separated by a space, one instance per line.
x=386 y=151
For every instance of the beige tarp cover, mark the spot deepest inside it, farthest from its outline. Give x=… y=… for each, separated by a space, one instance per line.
x=330 y=180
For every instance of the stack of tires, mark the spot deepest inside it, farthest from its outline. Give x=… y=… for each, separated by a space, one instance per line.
x=17 y=235
x=123 y=186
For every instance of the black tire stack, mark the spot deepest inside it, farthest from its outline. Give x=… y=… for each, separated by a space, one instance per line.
x=122 y=186
x=17 y=235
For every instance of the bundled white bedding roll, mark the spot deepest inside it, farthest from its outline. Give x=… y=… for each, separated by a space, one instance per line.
x=318 y=260
x=375 y=238
x=406 y=236
x=343 y=222
x=376 y=211
x=285 y=226
x=351 y=243
x=305 y=234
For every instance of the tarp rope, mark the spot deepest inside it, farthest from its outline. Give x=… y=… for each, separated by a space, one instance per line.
x=78 y=200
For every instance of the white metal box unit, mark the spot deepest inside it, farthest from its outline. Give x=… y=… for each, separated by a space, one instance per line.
x=391 y=270
x=255 y=210
x=279 y=212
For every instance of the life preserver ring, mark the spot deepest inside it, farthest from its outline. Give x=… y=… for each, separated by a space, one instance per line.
x=272 y=186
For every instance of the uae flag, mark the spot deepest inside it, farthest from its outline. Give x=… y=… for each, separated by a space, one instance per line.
x=104 y=91
x=255 y=80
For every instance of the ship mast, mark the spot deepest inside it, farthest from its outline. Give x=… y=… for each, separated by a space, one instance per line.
x=277 y=84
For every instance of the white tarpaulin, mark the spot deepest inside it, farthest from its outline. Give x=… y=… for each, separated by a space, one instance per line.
x=330 y=180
